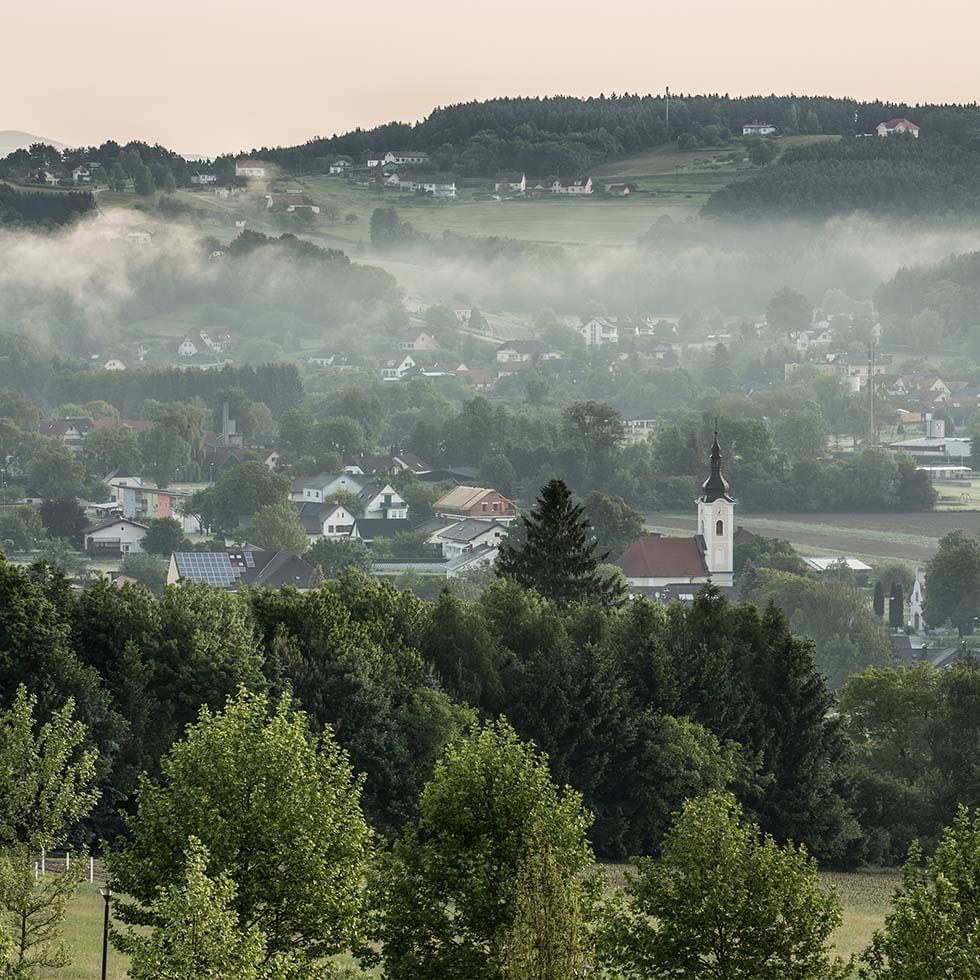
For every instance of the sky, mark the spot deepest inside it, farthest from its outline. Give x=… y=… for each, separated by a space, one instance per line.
x=211 y=76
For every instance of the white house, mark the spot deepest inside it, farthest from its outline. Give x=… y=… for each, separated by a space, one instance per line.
x=202 y=180
x=405 y=156
x=117 y=536
x=340 y=166
x=576 y=186
x=250 y=168
x=468 y=535
x=807 y=339
x=373 y=162
x=599 y=331
x=317 y=488
x=756 y=128
x=394 y=369
x=325 y=521
x=381 y=500
x=114 y=364
x=513 y=183
x=897 y=127
x=81 y=175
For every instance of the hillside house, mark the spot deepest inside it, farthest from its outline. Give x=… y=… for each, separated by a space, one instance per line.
x=69 y=432
x=520 y=350
x=82 y=175
x=478 y=379
x=381 y=500
x=203 y=179
x=468 y=535
x=395 y=368
x=404 y=156
x=757 y=128
x=417 y=340
x=370 y=529
x=115 y=537
x=806 y=340
x=325 y=520
x=362 y=464
x=577 y=186
x=618 y=190
x=510 y=183
x=897 y=127
x=481 y=502
x=341 y=167
x=599 y=331
x=250 y=168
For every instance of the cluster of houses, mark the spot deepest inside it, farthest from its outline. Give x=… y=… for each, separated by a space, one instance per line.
x=890 y=127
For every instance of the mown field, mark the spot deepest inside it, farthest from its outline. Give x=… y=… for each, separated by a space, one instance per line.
x=866 y=899
x=911 y=538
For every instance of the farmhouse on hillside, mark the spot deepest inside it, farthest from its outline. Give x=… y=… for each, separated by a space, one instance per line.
x=897 y=127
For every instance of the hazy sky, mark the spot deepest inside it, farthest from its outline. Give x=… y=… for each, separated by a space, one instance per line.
x=212 y=76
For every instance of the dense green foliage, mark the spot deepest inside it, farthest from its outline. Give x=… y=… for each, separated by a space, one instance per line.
x=42 y=208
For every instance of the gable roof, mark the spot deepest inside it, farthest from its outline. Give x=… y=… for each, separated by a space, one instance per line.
x=370 y=528
x=469 y=529
x=102 y=525
x=463 y=497
x=245 y=566
x=654 y=556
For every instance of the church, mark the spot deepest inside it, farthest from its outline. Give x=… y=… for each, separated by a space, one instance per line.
x=669 y=568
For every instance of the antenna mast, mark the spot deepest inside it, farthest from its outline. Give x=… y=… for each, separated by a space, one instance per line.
x=668 y=112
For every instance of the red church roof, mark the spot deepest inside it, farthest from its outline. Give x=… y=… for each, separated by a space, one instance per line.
x=657 y=557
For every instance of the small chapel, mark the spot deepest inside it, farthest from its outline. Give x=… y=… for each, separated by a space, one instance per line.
x=667 y=567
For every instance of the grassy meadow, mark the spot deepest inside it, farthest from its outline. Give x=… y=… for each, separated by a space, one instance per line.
x=865 y=897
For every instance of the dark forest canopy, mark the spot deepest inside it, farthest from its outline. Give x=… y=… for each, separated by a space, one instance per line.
x=935 y=174
x=42 y=208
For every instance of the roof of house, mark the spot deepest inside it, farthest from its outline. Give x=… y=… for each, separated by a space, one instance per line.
x=523 y=346
x=462 y=497
x=484 y=554
x=102 y=525
x=323 y=480
x=371 y=490
x=370 y=528
x=137 y=425
x=654 y=556
x=892 y=123
x=469 y=529
x=246 y=566
x=312 y=514
x=59 y=427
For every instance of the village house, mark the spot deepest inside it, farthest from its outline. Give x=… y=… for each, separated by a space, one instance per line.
x=416 y=340
x=370 y=529
x=520 y=350
x=478 y=379
x=653 y=563
x=465 y=501
x=395 y=368
x=381 y=500
x=69 y=432
x=290 y=203
x=250 y=168
x=325 y=520
x=618 y=190
x=512 y=183
x=468 y=535
x=247 y=566
x=362 y=464
x=341 y=166
x=756 y=128
x=143 y=504
x=200 y=179
x=316 y=489
x=115 y=537
x=599 y=331
x=82 y=174
x=897 y=127
x=405 y=156
x=576 y=186
x=806 y=340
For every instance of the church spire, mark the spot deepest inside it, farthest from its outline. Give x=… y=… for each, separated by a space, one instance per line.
x=716 y=485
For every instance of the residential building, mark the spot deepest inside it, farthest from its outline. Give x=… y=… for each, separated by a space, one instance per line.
x=69 y=432
x=466 y=501
x=479 y=379
x=897 y=127
x=654 y=563
x=404 y=156
x=599 y=331
x=468 y=535
x=341 y=166
x=820 y=565
x=81 y=175
x=935 y=447
x=395 y=368
x=576 y=186
x=114 y=537
x=325 y=520
x=250 y=168
x=361 y=464
x=757 y=128
x=381 y=500
x=234 y=569
x=290 y=203
x=369 y=529
x=417 y=340
x=146 y=503
x=618 y=190
x=316 y=489
x=512 y=183
x=809 y=339
x=203 y=179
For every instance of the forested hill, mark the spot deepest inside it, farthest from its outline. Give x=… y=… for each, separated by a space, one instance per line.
x=936 y=175
x=565 y=135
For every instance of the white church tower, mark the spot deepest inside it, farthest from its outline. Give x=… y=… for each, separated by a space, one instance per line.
x=716 y=521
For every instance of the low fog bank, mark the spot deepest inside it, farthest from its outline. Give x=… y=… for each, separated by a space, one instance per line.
x=111 y=279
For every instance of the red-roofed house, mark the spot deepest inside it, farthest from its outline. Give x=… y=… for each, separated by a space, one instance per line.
x=896 y=127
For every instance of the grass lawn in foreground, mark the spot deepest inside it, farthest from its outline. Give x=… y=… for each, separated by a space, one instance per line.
x=865 y=898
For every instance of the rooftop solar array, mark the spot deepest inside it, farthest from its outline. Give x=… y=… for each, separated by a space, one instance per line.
x=213 y=567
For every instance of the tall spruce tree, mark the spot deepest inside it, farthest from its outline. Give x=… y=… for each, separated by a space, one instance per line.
x=557 y=557
x=879 y=600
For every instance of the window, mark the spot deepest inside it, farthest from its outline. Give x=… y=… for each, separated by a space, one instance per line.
x=720 y=527
x=496 y=507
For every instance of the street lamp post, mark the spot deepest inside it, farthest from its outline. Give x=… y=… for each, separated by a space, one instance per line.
x=107 y=895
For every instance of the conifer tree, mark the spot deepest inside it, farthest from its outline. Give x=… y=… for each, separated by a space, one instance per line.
x=557 y=557
x=879 y=600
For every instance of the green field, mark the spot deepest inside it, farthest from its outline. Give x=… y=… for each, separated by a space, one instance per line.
x=865 y=898
x=911 y=538
x=670 y=182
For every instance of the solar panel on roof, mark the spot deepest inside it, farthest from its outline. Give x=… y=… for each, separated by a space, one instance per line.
x=250 y=559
